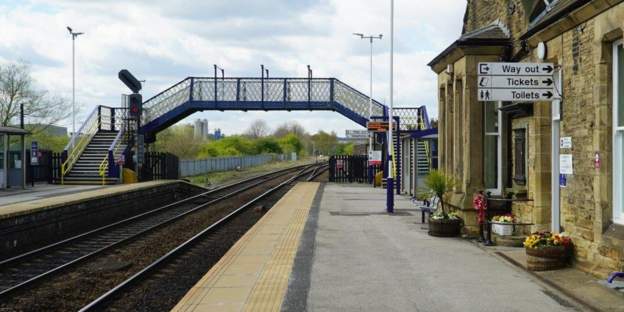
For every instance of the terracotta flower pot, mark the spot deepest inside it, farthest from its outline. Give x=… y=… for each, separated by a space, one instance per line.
x=445 y=228
x=547 y=258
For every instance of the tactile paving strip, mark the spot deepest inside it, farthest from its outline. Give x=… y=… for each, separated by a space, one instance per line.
x=253 y=274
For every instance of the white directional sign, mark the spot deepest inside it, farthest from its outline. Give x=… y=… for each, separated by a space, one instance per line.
x=518 y=95
x=516 y=69
x=507 y=82
x=520 y=82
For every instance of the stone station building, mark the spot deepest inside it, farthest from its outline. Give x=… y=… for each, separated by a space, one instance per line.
x=509 y=147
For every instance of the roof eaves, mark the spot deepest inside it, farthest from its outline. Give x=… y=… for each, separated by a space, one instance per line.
x=550 y=17
x=468 y=43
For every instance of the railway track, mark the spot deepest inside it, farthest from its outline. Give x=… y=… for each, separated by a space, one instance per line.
x=317 y=171
x=177 y=259
x=19 y=272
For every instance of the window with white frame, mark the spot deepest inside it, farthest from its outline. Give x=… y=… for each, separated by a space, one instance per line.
x=492 y=147
x=618 y=132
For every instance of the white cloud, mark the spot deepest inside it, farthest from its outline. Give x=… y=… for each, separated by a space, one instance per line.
x=165 y=41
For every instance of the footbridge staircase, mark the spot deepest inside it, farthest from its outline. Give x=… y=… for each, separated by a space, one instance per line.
x=94 y=151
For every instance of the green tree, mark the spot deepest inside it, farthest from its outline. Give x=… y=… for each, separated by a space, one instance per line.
x=229 y=146
x=325 y=143
x=268 y=145
x=291 y=143
x=178 y=140
x=47 y=141
x=345 y=149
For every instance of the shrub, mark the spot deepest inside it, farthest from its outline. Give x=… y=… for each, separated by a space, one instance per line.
x=440 y=184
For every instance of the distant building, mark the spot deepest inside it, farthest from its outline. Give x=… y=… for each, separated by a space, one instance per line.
x=200 y=129
x=354 y=136
x=217 y=134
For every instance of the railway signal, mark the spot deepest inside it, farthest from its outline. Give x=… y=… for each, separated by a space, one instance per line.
x=135 y=105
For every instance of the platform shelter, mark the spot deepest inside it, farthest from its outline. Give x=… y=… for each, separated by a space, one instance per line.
x=12 y=157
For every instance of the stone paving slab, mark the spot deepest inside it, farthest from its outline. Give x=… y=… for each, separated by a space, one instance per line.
x=366 y=260
x=253 y=274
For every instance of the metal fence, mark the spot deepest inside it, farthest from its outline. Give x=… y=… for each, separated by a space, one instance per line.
x=351 y=168
x=201 y=166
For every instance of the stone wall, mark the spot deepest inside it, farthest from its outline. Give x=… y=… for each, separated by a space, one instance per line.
x=584 y=53
x=510 y=13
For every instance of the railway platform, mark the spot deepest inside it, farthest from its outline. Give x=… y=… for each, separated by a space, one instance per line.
x=21 y=202
x=253 y=274
x=353 y=256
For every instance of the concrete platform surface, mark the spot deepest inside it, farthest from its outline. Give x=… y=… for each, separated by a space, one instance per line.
x=582 y=286
x=19 y=202
x=41 y=191
x=366 y=260
x=253 y=274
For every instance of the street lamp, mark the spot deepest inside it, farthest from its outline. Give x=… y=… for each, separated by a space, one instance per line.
x=390 y=181
x=309 y=83
x=370 y=38
x=73 y=36
x=216 y=67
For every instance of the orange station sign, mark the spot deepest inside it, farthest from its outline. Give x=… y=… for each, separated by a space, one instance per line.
x=377 y=126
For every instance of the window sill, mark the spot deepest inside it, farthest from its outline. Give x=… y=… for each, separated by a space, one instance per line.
x=615 y=231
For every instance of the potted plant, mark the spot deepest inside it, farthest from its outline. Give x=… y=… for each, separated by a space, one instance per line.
x=441 y=222
x=547 y=251
x=503 y=224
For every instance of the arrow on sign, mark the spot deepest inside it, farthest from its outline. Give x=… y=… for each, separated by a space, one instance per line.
x=548 y=81
x=548 y=94
x=484 y=68
x=548 y=69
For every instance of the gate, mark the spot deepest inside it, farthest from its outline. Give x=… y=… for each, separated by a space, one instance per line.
x=160 y=166
x=350 y=168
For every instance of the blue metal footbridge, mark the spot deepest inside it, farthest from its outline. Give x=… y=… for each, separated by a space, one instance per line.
x=195 y=94
x=261 y=94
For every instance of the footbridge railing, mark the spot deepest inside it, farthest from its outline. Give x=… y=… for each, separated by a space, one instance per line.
x=79 y=141
x=101 y=118
x=198 y=93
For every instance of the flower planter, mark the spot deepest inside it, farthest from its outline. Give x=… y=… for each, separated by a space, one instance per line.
x=445 y=227
x=547 y=258
x=502 y=229
x=509 y=240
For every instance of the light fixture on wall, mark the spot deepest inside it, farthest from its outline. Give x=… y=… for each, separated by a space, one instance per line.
x=541 y=51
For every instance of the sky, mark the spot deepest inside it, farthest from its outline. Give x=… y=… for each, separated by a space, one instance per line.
x=164 y=42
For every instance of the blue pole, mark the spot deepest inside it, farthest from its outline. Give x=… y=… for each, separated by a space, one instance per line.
x=390 y=195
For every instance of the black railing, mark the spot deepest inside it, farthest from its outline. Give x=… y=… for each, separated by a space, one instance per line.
x=160 y=166
x=350 y=168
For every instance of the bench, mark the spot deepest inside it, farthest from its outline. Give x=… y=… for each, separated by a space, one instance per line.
x=428 y=206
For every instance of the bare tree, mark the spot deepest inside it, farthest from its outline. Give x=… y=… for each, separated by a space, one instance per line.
x=259 y=128
x=17 y=90
x=290 y=127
